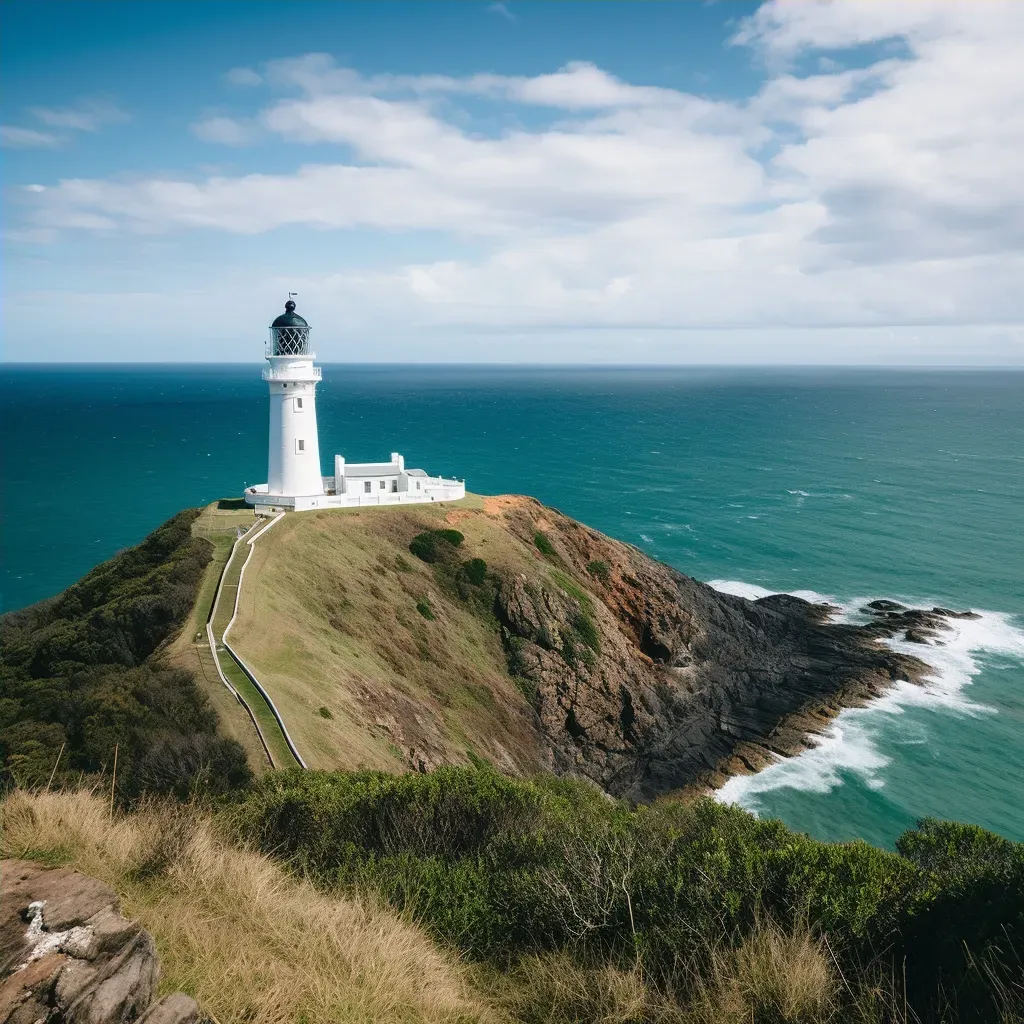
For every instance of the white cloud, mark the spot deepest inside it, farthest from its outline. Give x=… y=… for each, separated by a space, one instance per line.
x=14 y=137
x=880 y=190
x=225 y=131
x=501 y=10
x=244 y=77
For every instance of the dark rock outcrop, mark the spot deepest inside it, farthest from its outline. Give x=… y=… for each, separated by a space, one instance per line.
x=648 y=681
x=68 y=956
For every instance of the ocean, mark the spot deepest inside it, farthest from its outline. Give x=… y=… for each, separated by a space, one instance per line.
x=846 y=485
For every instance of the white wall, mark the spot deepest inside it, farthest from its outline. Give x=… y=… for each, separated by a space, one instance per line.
x=291 y=471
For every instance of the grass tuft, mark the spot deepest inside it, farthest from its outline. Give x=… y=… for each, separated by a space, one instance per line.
x=774 y=977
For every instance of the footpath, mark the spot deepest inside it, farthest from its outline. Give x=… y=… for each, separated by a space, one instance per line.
x=234 y=673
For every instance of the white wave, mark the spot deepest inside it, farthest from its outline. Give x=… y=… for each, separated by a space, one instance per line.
x=738 y=588
x=808 y=494
x=850 y=744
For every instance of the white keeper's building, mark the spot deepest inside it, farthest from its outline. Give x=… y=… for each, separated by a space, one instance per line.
x=294 y=480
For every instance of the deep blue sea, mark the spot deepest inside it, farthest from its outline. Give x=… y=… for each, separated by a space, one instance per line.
x=849 y=484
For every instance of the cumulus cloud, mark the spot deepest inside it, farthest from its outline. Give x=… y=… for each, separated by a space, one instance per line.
x=882 y=189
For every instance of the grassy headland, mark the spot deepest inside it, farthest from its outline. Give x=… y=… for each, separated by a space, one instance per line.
x=336 y=612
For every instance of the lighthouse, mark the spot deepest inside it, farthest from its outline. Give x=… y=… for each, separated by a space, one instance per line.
x=294 y=462
x=294 y=482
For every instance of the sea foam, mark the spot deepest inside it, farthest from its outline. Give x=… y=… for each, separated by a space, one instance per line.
x=850 y=743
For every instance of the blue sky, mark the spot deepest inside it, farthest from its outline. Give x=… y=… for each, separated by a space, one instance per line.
x=822 y=182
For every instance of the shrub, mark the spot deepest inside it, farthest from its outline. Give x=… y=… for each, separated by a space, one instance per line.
x=324 y=712
x=79 y=670
x=423 y=607
x=475 y=570
x=505 y=869
x=434 y=545
x=544 y=546
x=601 y=571
x=968 y=935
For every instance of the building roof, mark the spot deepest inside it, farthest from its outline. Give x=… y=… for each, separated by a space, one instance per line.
x=371 y=469
x=289 y=318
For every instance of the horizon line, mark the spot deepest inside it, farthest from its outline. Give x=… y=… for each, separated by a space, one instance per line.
x=24 y=363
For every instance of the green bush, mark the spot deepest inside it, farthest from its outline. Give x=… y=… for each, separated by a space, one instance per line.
x=601 y=571
x=504 y=868
x=968 y=936
x=423 y=607
x=476 y=571
x=544 y=546
x=79 y=670
x=435 y=545
x=324 y=712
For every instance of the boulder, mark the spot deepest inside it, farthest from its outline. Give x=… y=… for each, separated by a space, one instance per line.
x=68 y=955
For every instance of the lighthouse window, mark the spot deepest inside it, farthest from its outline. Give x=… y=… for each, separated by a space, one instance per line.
x=300 y=445
x=367 y=486
x=383 y=485
x=298 y=403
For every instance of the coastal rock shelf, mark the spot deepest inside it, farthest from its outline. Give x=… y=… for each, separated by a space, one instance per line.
x=683 y=685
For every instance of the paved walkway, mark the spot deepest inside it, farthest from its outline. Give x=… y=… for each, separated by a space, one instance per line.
x=234 y=673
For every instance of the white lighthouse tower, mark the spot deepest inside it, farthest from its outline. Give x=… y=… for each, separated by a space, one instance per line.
x=293 y=473
x=294 y=464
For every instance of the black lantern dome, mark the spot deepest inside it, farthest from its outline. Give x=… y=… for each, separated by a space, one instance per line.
x=289 y=333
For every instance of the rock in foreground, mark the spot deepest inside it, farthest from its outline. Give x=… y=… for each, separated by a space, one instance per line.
x=68 y=956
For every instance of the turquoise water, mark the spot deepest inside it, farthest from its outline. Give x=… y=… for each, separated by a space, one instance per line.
x=851 y=484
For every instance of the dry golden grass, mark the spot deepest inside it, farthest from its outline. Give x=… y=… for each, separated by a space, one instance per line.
x=247 y=940
x=553 y=988
x=774 y=977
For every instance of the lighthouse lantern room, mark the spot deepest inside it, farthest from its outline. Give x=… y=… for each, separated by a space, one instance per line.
x=294 y=479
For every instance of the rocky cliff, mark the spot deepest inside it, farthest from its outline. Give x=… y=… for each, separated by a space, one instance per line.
x=528 y=638
x=682 y=684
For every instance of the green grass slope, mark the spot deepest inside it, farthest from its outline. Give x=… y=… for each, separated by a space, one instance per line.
x=375 y=657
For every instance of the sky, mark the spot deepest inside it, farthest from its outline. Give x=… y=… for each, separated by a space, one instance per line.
x=801 y=182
